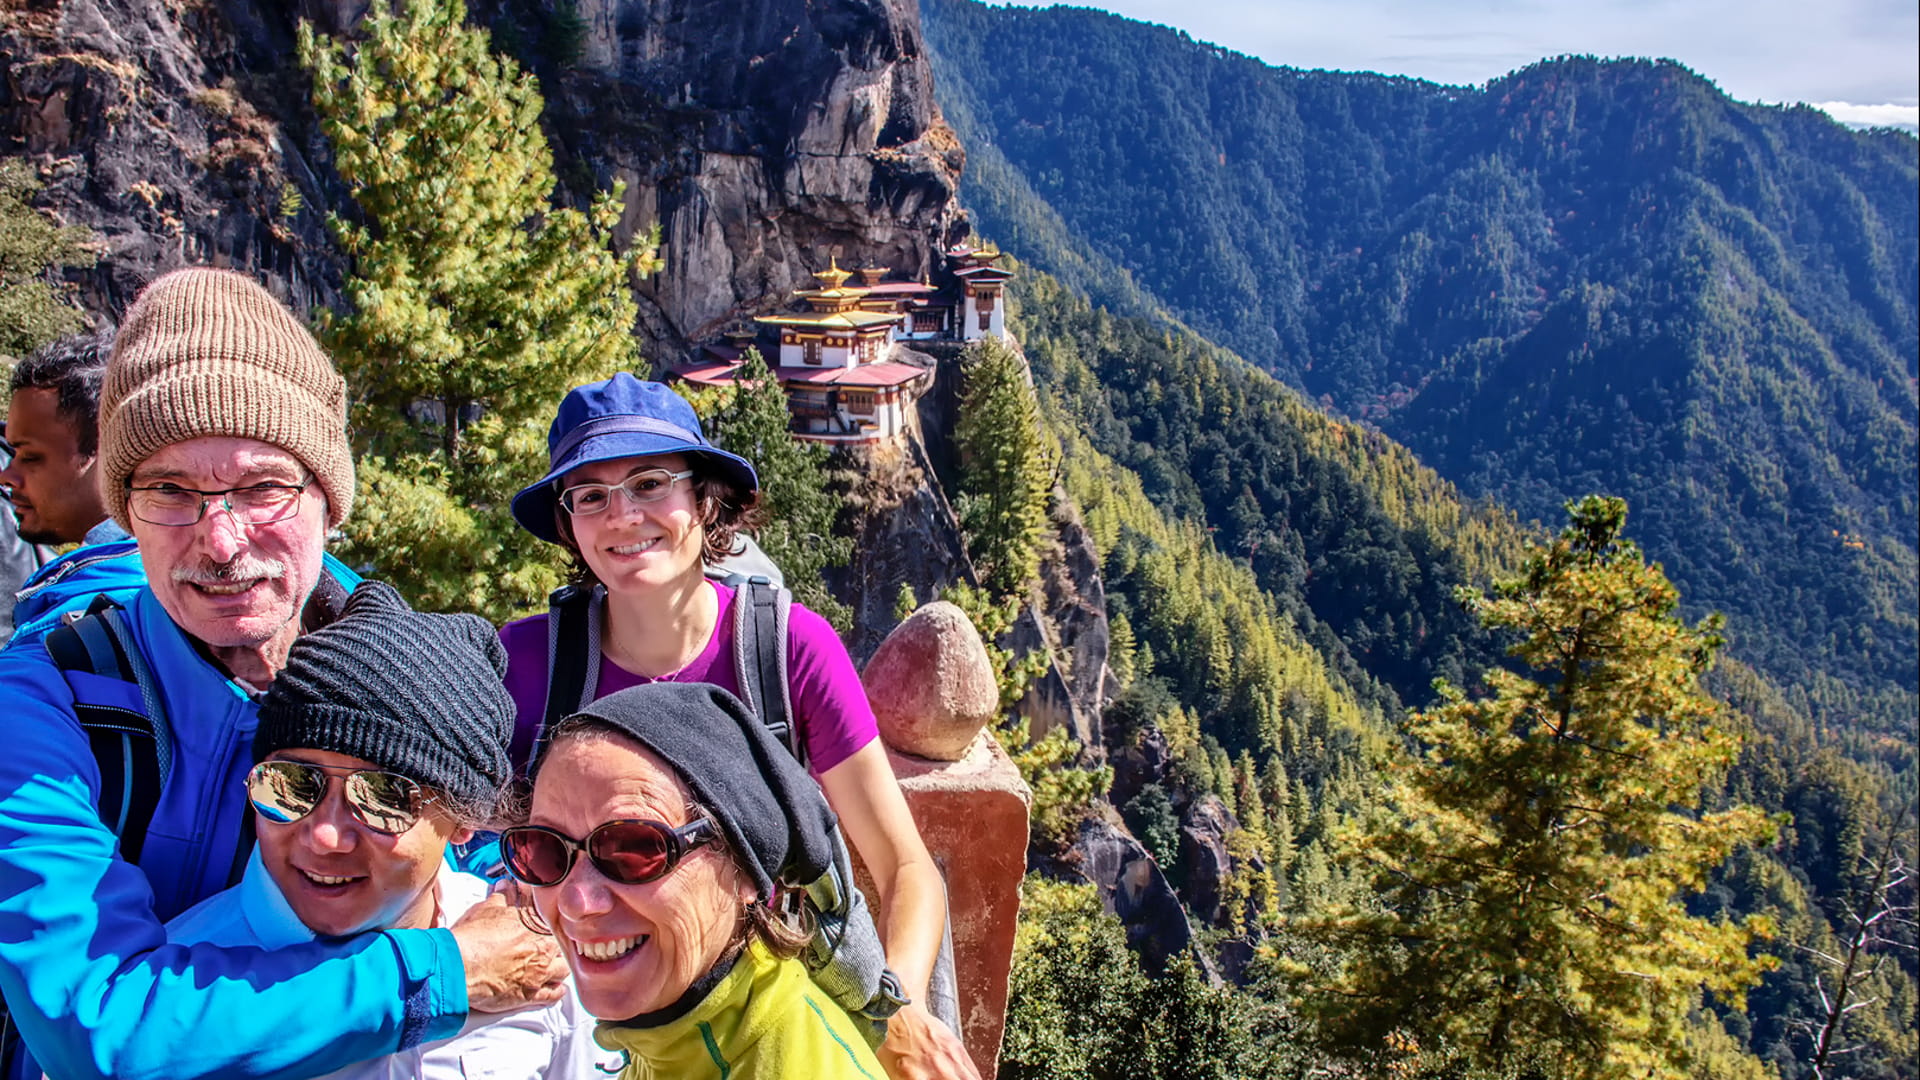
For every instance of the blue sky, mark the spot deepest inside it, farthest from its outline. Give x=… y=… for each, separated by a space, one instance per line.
x=1858 y=59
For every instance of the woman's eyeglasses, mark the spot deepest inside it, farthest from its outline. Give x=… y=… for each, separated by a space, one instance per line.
x=645 y=486
x=286 y=791
x=625 y=852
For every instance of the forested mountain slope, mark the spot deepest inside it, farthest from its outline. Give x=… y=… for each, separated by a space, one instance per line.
x=1358 y=542
x=1236 y=526
x=1584 y=277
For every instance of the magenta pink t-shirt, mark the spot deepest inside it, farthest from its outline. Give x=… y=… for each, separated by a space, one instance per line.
x=829 y=702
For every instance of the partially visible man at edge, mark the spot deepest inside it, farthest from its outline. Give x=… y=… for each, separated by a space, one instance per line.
x=53 y=427
x=223 y=451
x=53 y=430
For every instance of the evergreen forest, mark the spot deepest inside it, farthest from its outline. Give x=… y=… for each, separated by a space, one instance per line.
x=1342 y=351
x=1285 y=589
x=1585 y=276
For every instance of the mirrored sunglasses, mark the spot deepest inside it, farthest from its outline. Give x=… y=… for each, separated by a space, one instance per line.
x=285 y=791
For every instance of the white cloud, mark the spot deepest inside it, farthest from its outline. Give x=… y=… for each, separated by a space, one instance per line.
x=1900 y=116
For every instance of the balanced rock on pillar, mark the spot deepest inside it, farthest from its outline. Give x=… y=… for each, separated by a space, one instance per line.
x=933 y=692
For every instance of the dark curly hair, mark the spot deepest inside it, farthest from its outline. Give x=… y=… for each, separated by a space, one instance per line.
x=725 y=510
x=72 y=368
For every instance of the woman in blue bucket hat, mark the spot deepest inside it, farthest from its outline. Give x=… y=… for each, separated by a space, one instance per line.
x=645 y=503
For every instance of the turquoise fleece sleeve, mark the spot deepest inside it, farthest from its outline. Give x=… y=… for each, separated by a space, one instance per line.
x=94 y=987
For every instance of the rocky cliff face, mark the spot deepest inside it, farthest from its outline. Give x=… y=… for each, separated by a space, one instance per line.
x=904 y=535
x=763 y=138
x=177 y=132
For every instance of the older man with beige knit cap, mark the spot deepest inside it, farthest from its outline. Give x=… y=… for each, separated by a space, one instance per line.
x=224 y=452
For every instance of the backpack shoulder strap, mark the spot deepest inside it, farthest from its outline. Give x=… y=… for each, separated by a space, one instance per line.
x=760 y=617
x=127 y=732
x=573 y=654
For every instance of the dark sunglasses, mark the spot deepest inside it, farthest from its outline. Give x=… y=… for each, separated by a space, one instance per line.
x=625 y=852
x=286 y=791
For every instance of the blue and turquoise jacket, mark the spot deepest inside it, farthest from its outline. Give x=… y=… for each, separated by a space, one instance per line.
x=72 y=581
x=85 y=967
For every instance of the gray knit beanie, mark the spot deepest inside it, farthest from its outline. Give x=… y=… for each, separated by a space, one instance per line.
x=210 y=352
x=413 y=693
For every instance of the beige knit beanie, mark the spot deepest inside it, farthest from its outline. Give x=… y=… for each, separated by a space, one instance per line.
x=210 y=352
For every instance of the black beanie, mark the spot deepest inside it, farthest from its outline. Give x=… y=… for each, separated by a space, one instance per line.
x=771 y=810
x=416 y=694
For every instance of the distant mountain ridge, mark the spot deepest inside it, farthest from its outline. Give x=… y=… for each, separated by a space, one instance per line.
x=1587 y=276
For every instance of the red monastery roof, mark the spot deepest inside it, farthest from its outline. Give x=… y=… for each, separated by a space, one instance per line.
x=875 y=375
x=720 y=374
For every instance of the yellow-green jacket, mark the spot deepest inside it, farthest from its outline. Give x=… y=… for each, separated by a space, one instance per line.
x=765 y=1020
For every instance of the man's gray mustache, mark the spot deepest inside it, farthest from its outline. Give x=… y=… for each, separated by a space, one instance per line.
x=244 y=568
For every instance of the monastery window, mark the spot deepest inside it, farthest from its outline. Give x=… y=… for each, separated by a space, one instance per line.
x=859 y=402
x=811 y=351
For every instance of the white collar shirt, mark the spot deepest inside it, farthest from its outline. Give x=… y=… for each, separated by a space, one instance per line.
x=550 y=1041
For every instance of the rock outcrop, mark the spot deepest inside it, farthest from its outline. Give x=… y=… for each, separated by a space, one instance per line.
x=763 y=138
x=1131 y=887
x=1205 y=863
x=905 y=534
x=1071 y=628
x=178 y=133
x=1142 y=762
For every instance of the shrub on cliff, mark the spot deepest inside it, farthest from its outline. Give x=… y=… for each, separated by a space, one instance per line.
x=476 y=303
x=32 y=311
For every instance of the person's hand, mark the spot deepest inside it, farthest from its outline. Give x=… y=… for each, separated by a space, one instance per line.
x=508 y=965
x=919 y=1047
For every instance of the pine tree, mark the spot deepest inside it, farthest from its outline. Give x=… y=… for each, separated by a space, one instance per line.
x=32 y=312
x=1535 y=872
x=800 y=508
x=1006 y=467
x=476 y=302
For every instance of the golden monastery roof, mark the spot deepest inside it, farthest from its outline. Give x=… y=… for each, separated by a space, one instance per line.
x=836 y=296
x=833 y=276
x=835 y=320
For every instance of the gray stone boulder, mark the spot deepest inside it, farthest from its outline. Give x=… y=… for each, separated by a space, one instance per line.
x=931 y=684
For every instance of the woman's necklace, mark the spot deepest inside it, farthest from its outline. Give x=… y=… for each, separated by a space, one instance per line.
x=615 y=651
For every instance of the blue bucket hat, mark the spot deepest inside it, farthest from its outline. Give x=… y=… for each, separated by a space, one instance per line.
x=621 y=417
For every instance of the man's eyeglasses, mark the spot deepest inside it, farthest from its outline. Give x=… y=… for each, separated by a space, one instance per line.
x=625 y=852
x=645 y=486
x=255 y=504
x=286 y=791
